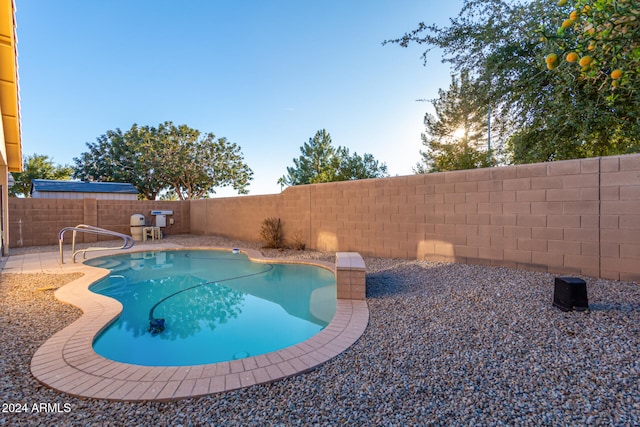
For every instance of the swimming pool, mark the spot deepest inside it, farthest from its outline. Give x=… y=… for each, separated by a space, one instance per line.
x=191 y=307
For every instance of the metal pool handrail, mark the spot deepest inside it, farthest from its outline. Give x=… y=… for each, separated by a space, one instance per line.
x=83 y=228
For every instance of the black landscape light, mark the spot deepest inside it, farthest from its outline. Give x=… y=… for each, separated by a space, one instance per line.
x=570 y=293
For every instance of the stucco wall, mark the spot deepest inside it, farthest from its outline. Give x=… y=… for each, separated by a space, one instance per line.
x=574 y=217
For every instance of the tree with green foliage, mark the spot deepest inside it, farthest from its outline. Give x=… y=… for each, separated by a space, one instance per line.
x=320 y=161
x=167 y=157
x=537 y=115
x=37 y=166
x=315 y=162
x=593 y=48
x=456 y=136
x=194 y=164
x=355 y=166
x=130 y=157
x=598 y=41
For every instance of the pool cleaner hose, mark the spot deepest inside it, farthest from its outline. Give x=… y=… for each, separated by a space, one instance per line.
x=156 y=326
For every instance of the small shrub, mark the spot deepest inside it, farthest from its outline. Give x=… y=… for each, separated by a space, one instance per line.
x=271 y=233
x=297 y=241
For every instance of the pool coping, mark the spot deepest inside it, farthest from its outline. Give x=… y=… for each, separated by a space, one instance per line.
x=67 y=362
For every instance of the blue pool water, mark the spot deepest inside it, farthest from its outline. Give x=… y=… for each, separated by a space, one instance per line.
x=216 y=306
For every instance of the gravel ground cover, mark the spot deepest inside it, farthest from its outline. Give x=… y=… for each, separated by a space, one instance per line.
x=447 y=344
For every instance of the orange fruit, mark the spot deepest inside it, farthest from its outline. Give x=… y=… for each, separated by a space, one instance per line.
x=572 y=57
x=585 y=61
x=552 y=61
x=616 y=74
x=591 y=46
x=567 y=23
x=586 y=9
x=574 y=15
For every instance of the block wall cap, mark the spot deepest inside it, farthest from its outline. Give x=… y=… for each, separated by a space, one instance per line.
x=349 y=260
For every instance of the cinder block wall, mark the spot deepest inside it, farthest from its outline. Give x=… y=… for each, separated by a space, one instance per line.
x=573 y=217
x=620 y=218
x=37 y=222
x=241 y=217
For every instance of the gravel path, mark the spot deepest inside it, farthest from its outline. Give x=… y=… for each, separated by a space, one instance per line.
x=447 y=344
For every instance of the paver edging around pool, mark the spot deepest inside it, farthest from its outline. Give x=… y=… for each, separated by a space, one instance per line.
x=67 y=362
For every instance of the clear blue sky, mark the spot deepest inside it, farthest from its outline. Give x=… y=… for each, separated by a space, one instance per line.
x=265 y=74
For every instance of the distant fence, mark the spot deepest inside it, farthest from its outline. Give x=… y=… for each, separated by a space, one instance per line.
x=568 y=217
x=36 y=222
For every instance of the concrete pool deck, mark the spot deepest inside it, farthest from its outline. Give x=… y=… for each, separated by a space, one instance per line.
x=66 y=362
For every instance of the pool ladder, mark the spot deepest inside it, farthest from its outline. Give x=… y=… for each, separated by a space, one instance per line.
x=83 y=228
